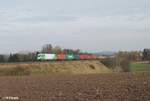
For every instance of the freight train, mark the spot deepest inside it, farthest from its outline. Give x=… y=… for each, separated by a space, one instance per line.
x=61 y=57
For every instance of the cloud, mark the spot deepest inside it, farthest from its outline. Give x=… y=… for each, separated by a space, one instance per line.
x=89 y=25
x=77 y=24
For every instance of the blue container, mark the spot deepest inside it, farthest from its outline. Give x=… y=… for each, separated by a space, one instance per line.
x=77 y=57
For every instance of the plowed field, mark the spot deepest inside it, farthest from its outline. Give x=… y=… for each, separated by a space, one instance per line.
x=103 y=87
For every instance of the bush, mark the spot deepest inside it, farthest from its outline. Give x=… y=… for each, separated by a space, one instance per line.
x=109 y=62
x=125 y=65
x=122 y=62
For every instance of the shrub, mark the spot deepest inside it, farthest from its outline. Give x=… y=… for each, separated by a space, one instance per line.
x=109 y=62
x=125 y=65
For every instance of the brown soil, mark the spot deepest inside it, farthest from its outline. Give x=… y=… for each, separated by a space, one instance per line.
x=102 y=87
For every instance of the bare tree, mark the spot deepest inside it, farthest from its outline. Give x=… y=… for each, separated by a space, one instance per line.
x=47 y=48
x=146 y=54
x=2 y=58
x=57 y=49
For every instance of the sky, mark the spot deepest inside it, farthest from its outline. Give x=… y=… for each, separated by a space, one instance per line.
x=92 y=25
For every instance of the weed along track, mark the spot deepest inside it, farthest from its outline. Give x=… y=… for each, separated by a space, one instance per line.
x=102 y=87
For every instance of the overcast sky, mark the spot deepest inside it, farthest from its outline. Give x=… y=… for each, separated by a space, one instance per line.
x=94 y=25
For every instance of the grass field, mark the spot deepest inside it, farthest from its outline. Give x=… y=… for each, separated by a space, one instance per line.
x=140 y=67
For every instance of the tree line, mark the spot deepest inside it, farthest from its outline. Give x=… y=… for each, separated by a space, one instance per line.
x=122 y=59
x=31 y=56
x=48 y=48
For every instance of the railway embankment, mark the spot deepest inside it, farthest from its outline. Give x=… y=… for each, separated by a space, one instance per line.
x=58 y=67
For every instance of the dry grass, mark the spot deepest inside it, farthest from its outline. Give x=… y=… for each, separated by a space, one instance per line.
x=71 y=67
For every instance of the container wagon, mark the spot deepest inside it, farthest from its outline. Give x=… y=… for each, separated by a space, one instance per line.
x=62 y=57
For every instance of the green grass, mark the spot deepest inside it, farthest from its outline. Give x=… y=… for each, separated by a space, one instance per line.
x=139 y=67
